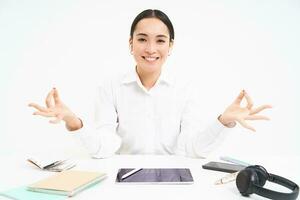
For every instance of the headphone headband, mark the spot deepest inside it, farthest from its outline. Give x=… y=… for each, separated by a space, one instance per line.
x=271 y=194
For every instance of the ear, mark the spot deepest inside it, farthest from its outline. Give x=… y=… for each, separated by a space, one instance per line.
x=171 y=46
x=130 y=44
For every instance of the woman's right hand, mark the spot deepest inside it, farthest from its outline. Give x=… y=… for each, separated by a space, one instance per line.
x=55 y=108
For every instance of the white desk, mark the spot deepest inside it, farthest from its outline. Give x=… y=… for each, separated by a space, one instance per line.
x=15 y=171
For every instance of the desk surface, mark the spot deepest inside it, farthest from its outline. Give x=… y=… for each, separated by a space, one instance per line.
x=15 y=171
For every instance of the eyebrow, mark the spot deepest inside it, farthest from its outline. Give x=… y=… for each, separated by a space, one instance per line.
x=144 y=34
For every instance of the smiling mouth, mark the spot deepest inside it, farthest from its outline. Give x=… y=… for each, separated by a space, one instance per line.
x=150 y=59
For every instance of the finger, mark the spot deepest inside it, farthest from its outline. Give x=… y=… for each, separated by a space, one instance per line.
x=44 y=114
x=49 y=97
x=249 y=101
x=38 y=107
x=239 y=98
x=260 y=108
x=257 y=117
x=245 y=125
x=56 y=96
x=57 y=120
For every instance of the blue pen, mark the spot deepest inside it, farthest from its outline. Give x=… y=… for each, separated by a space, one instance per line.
x=234 y=161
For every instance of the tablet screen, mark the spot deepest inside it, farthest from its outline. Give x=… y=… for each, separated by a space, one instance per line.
x=155 y=175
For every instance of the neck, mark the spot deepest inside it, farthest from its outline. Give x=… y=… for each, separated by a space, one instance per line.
x=148 y=79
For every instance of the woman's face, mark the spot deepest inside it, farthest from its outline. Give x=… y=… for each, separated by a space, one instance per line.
x=150 y=44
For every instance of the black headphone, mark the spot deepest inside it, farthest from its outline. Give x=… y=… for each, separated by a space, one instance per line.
x=252 y=179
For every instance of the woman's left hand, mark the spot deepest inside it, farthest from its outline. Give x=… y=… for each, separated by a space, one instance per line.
x=235 y=113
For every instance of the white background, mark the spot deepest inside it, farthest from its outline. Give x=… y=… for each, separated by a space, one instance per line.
x=224 y=46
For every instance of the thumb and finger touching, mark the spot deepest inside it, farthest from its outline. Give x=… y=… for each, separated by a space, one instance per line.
x=52 y=109
x=251 y=111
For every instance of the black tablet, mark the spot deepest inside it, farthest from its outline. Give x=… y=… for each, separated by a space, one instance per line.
x=155 y=176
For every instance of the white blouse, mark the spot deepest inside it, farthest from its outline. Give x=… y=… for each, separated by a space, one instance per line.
x=164 y=120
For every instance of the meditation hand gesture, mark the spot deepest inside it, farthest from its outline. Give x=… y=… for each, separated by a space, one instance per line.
x=235 y=113
x=58 y=110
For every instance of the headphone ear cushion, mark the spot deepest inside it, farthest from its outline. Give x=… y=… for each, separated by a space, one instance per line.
x=245 y=181
x=262 y=174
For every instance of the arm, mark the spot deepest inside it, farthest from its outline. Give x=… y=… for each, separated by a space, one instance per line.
x=196 y=141
x=100 y=137
x=195 y=138
x=100 y=140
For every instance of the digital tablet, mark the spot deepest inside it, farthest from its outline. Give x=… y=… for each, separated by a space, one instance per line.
x=155 y=176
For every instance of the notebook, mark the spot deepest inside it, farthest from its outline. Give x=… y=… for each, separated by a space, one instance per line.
x=67 y=182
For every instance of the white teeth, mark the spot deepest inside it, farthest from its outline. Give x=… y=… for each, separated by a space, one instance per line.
x=150 y=58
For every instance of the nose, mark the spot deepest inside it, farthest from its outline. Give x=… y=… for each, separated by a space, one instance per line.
x=150 y=48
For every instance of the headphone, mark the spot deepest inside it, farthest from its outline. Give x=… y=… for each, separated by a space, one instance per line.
x=252 y=179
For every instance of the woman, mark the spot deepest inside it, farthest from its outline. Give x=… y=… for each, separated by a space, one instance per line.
x=149 y=111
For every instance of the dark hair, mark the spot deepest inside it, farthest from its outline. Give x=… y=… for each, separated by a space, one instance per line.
x=150 y=13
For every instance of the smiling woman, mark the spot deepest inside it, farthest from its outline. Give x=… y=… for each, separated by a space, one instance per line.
x=150 y=46
x=151 y=40
x=149 y=111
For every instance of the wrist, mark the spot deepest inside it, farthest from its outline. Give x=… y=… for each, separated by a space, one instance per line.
x=73 y=123
x=226 y=122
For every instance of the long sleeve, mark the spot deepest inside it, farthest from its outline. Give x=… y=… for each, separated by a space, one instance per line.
x=99 y=137
x=195 y=139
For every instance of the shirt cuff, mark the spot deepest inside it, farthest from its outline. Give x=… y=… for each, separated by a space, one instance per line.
x=100 y=142
x=217 y=127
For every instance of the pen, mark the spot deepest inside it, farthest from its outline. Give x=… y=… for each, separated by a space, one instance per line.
x=51 y=165
x=234 y=161
x=226 y=179
x=131 y=173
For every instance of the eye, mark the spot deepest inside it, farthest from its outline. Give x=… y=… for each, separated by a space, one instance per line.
x=161 y=41
x=142 y=40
